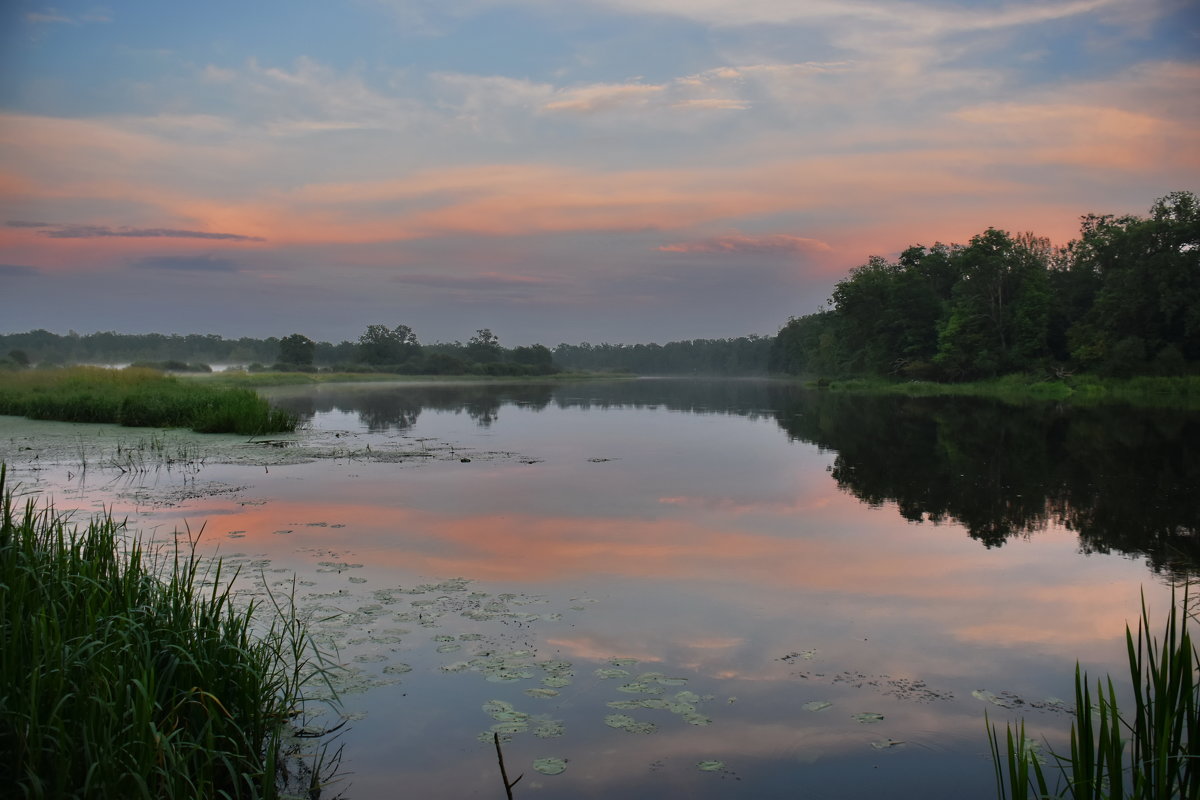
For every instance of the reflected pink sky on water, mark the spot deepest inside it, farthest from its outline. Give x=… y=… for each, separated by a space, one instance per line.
x=707 y=547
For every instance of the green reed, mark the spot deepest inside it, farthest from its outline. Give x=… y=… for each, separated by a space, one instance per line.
x=139 y=398
x=123 y=674
x=1149 y=752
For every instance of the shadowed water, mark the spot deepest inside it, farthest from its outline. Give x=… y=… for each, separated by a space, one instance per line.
x=824 y=593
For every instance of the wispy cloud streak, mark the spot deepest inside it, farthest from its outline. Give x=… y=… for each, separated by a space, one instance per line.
x=756 y=245
x=55 y=230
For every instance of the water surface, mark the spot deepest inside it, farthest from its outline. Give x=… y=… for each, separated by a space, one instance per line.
x=822 y=592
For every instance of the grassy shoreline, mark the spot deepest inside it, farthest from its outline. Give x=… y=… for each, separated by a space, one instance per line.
x=122 y=676
x=137 y=397
x=1182 y=392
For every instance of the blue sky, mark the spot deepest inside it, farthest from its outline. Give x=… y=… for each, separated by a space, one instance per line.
x=596 y=170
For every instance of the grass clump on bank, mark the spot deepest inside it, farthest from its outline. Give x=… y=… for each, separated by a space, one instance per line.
x=124 y=677
x=138 y=398
x=1149 y=752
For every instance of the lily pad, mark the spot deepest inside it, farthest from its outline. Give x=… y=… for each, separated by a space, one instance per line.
x=990 y=697
x=605 y=673
x=550 y=766
x=629 y=724
x=548 y=728
x=884 y=744
x=494 y=706
x=711 y=766
x=817 y=705
x=867 y=717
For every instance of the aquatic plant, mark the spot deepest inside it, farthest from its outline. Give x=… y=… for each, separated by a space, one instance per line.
x=138 y=398
x=122 y=675
x=1149 y=753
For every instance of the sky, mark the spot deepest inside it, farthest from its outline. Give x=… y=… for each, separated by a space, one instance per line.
x=554 y=170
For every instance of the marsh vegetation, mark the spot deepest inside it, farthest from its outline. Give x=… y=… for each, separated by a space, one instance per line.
x=129 y=671
x=137 y=397
x=1147 y=749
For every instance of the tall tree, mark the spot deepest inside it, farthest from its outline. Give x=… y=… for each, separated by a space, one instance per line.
x=999 y=311
x=297 y=350
x=382 y=345
x=484 y=347
x=1148 y=302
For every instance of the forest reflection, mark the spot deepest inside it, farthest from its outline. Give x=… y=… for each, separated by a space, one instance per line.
x=1123 y=479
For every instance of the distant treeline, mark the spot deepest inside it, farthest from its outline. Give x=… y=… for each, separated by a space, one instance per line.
x=383 y=349
x=746 y=355
x=1122 y=300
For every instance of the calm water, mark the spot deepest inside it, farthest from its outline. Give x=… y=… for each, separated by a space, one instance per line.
x=718 y=559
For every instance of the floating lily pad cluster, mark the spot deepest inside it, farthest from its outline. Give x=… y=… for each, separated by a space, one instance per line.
x=684 y=703
x=510 y=721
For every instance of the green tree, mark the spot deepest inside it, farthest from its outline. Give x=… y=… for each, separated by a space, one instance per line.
x=297 y=350
x=382 y=345
x=537 y=356
x=866 y=324
x=999 y=311
x=484 y=347
x=1148 y=270
x=806 y=346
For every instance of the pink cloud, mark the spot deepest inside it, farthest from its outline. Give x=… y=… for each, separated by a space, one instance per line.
x=605 y=97
x=755 y=245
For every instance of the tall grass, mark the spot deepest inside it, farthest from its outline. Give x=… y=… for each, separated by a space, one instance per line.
x=1151 y=752
x=123 y=676
x=139 y=398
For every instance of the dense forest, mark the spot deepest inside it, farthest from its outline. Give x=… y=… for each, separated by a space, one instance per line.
x=1122 y=300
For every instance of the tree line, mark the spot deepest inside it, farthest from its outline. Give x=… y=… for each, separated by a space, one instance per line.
x=745 y=355
x=381 y=348
x=1121 y=300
